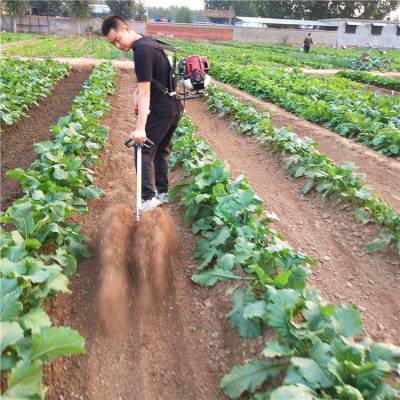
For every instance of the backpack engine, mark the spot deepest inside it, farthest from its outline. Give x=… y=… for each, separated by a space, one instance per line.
x=192 y=71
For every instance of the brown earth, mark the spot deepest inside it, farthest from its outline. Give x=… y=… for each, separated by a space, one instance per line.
x=382 y=173
x=177 y=348
x=382 y=90
x=345 y=272
x=17 y=140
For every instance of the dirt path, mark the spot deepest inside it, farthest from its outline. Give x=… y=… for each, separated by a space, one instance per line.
x=381 y=90
x=382 y=173
x=179 y=351
x=345 y=272
x=391 y=74
x=17 y=140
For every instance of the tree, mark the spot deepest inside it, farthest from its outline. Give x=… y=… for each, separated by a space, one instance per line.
x=183 y=15
x=140 y=14
x=217 y=5
x=125 y=8
x=379 y=8
x=15 y=8
x=79 y=9
x=51 y=8
x=309 y=9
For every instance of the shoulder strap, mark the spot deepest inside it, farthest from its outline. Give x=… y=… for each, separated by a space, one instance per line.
x=158 y=44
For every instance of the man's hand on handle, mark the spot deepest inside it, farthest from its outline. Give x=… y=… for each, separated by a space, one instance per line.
x=139 y=136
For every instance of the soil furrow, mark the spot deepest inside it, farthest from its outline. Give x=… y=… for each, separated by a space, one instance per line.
x=17 y=140
x=382 y=173
x=345 y=272
x=177 y=349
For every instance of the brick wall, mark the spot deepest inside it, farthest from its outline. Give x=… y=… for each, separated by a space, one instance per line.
x=187 y=31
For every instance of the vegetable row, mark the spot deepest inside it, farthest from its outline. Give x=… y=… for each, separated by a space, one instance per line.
x=338 y=183
x=371 y=79
x=41 y=245
x=22 y=83
x=314 y=354
x=327 y=57
x=338 y=104
x=58 y=46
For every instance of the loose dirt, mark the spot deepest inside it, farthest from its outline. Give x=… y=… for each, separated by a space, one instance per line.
x=382 y=90
x=177 y=348
x=17 y=140
x=382 y=173
x=345 y=272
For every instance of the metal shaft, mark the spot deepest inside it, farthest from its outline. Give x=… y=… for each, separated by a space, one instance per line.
x=138 y=181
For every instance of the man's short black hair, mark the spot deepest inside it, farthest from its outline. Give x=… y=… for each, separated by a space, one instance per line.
x=111 y=22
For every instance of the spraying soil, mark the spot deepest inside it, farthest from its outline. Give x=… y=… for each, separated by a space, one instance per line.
x=135 y=262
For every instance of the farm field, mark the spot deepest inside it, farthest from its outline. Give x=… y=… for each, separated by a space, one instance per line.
x=93 y=46
x=285 y=278
x=23 y=83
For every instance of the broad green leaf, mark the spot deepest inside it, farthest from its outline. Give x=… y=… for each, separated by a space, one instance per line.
x=249 y=377
x=294 y=392
x=246 y=327
x=59 y=173
x=25 y=382
x=222 y=237
x=211 y=276
x=35 y=320
x=384 y=351
x=8 y=361
x=275 y=349
x=10 y=333
x=10 y=306
x=307 y=370
x=58 y=282
x=226 y=262
x=347 y=392
x=347 y=321
x=55 y=342
x=308 y=186
x=362 y=215
x=257 y=309
x=23 y=218
x=280 y=310
x=32 y=244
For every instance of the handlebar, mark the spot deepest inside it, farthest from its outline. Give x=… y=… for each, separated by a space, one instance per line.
x=131 y=143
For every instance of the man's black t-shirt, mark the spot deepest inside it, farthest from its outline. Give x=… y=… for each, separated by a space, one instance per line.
x=151 y=63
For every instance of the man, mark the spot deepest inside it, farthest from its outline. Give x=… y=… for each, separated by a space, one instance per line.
x=158 y=113
x=307 y=43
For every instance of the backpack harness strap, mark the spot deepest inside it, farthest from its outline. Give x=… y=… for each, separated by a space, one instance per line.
x=158 y=44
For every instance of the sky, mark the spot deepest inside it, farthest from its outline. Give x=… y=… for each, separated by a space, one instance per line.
x=193 y=4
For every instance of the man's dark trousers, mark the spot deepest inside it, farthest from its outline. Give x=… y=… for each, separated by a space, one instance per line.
x=159 y=129
x=306 y=49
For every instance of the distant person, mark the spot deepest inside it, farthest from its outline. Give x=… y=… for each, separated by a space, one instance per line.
x=307 y=43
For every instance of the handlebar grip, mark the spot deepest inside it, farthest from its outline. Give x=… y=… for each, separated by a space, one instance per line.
x=131 y=143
